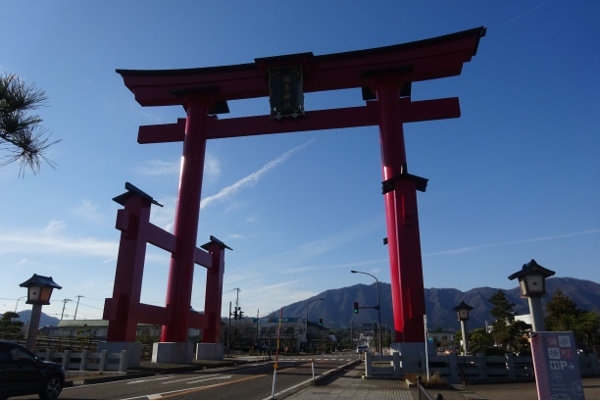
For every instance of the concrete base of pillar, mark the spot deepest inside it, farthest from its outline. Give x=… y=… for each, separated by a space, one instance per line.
x=209 y=351
x=134 y=350
x=412 y=356
x=168 y=352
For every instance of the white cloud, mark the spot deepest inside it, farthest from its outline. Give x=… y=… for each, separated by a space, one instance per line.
x=50 y=240
x=159 y=167
x=212 y=167
x=53 y=227
x=24 y=262
x=164 y=217
x=88 y=211
x=269 y=297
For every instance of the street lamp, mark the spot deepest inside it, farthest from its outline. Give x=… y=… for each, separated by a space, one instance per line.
x=39 y=290
x=18 y=299
x=307 y=306
x=378 y=307
x=462 y=312
x=532 y=281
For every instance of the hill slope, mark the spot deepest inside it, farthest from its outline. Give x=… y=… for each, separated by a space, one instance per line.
x=336 y=309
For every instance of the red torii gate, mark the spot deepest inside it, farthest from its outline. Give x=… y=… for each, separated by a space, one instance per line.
x=124 y=310
x=384 y=74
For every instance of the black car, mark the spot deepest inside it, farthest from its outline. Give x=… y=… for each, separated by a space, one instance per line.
x=22 y=373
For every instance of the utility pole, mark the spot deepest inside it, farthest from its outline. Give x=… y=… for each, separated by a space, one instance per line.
x=63 y=309
x=229 y=329
x=236 y=313
x=257 y=331
x=77 y=306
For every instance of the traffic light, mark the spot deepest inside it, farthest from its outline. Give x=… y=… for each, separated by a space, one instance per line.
x=320 y=322
x=241 y=313
x=356 y=307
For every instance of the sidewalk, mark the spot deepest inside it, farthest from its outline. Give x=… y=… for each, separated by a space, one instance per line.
x=351 y=386
x=512 y=391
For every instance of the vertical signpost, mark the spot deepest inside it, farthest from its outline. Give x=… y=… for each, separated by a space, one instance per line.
x=556 y=366
x=276 y=355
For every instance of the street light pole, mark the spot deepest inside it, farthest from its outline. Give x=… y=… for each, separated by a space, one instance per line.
x=310 y=302
x=378 y=307
x=18 y=299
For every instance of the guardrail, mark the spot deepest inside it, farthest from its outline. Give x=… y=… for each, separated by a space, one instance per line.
x=471 y=369
x=102 y=361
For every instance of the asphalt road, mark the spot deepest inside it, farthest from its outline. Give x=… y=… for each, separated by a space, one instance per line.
x=252 y=381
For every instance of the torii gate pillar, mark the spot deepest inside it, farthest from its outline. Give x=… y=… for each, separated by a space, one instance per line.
x=382 y=73
x=403 y=238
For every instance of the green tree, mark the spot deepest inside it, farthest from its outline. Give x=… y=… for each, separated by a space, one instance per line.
x=501 y=307
x=518 y=341
x=20 y=131
x=480 y=341
x=561 y=313
x=587 y=331
x=83 y=337
x=502 y=310
x=11 y=329
x=509 y=335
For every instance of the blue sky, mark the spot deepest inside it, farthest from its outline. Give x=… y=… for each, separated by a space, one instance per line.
x=515 y=178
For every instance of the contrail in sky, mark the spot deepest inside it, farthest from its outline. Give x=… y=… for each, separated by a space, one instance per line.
x=513 y=242
x=529 y=11
x=252 y=178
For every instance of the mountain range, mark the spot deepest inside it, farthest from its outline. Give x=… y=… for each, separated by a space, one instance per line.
x=336 y=308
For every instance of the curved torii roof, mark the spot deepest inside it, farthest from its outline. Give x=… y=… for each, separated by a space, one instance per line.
x=414 y=61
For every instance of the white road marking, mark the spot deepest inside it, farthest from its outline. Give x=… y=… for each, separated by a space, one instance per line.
x=209 y=378
x=149 y=380
x=185 y=379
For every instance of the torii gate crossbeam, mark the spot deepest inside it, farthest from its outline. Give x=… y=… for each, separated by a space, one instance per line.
x=385 y=76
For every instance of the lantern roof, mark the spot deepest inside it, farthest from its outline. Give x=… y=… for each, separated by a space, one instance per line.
x=41 y=281
x=532 y=267
x=462 y=306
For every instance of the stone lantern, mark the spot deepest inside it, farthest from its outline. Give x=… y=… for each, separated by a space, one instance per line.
x=462 y=312
x=532 y=281
x=39 y=291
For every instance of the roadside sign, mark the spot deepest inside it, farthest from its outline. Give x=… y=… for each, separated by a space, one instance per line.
x=556 y=366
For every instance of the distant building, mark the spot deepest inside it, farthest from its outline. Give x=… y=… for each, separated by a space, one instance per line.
x=97 y=329
x=524 y=318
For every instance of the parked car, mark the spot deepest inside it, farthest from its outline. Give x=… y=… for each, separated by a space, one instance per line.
x=362 y=348
x=23 y=373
